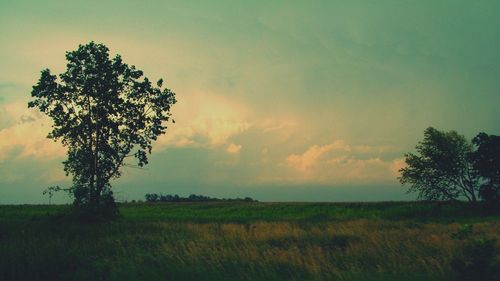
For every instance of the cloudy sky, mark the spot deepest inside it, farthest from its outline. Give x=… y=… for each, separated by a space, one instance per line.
x=278 y=100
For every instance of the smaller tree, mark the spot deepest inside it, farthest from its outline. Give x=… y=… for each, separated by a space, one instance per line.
x=486 y=160
x=442 y=168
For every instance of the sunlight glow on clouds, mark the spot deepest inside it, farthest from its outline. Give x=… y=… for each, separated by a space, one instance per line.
x=233 y=148
x=338 y=162
x=204 y=120
x=310 y=157
x=27 y=133
x=269 y=94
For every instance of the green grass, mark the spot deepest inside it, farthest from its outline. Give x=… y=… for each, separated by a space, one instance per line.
x=245 y=241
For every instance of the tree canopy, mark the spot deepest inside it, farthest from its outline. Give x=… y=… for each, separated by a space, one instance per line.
x=104 y=111
x=486 y=160
x=441 y=169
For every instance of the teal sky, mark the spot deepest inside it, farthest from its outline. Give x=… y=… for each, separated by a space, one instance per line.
x=278 y=100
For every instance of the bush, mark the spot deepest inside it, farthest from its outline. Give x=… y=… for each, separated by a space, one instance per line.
x=478 y=261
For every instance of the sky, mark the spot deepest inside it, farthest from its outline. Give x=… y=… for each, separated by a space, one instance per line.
x=277 y=100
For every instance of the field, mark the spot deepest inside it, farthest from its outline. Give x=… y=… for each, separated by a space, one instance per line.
x=253 y=241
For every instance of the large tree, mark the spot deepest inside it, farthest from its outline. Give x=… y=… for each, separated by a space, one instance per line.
x=486 y=161
x=104 y=111
x=442 y=168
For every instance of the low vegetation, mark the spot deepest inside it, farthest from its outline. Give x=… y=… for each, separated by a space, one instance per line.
x=254 y=241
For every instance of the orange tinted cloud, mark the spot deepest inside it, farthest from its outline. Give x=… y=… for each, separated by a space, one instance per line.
x=233 y=148
x=338 y=162
x=312 y=155
x=27 y=133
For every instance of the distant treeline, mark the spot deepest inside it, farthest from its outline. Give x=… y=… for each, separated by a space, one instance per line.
x=153 y=197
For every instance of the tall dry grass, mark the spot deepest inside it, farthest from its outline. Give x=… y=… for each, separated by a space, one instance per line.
x=326 y=251
x=33 y=247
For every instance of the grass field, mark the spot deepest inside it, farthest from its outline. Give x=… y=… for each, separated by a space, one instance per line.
x=253 y=241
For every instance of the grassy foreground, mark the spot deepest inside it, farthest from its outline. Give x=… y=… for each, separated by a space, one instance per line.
x=253 y=241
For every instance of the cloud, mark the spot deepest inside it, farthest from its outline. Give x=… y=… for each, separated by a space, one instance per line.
x=233 y=148
x=312 y=155
x=369 y=149
x=274 y=125
x=204 y=120
x=25 y=133
x=396 y=165
x=339 y=162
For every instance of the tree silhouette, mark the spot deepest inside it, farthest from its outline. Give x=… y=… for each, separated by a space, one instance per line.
x=442 y=169
x=486 y=161
x=104 y=111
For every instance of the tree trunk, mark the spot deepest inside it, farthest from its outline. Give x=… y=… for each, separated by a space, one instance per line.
x=473 y=195
x=92 y=174
x=97 y=187
x=92 y=170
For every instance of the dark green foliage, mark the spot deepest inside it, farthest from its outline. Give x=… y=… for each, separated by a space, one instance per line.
x=486 y=161
x=448 y=167
x=153 y=197
x=441 y=169
x=103 y=111
x=477 y=261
